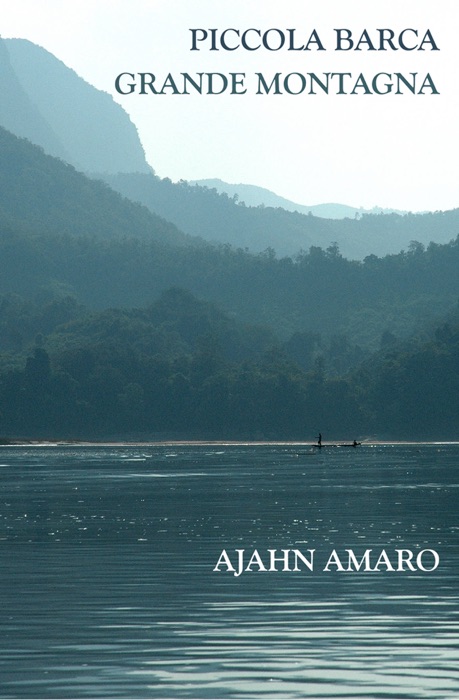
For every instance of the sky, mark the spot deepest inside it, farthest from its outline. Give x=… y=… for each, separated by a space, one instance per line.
x=364 y=150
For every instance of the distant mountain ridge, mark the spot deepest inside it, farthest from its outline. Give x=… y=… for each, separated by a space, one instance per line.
x=72 y=249
x=62 y=232
x=254 y=196
x=48 y=103
x=200 y=211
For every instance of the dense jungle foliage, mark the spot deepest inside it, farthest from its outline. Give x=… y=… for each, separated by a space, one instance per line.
x=113 y=322
x=183 y=367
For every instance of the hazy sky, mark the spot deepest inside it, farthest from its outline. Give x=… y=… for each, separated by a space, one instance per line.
x=364 y=150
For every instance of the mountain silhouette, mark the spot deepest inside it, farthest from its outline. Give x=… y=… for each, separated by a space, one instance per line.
x=254 y=196
x=20 y=115
x=48 y=103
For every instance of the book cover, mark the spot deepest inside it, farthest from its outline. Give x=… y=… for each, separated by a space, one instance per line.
x=229 y=349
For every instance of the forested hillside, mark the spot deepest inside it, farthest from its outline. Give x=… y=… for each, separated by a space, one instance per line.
x=220 y=218
x=114 y=323
x=47 y=102
x=182 y=368
x=411 y=391
x=319 y=291
x=43 y=194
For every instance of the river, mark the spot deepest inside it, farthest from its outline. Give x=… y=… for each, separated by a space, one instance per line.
x=108 y=587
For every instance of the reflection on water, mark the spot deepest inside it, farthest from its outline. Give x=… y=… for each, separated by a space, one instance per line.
x=107 y=586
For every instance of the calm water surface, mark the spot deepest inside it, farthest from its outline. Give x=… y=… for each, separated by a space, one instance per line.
x=107 y=586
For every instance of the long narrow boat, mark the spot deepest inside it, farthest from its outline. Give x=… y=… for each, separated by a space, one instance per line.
x=345 y=444
x=315 y=446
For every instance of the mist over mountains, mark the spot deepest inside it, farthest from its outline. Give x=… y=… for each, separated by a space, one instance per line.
x=254 y=196
x=44 y=194
x=139 y=304
x=19 y=114
x=200 y=211
x=65 y=115
x=48 y=103
x=64 y=231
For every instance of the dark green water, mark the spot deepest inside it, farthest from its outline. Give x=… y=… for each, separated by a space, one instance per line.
x=107 y=586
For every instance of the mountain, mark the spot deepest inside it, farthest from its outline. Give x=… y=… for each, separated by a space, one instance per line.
x=62 y=232
x=220 y=340
x=249 y=346
x=200 y=211
x=19 y=114
x=48 y=103
x=42 y=194
x=254 y=196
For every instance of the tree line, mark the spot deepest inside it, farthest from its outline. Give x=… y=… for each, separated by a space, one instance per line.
x=183 y=367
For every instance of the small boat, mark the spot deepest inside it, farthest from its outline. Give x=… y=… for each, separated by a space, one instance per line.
x=345 y=444
x=320 y=445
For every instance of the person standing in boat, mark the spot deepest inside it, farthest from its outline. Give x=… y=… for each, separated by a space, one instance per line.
x=319 y=440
